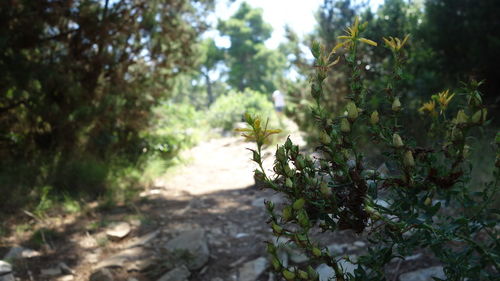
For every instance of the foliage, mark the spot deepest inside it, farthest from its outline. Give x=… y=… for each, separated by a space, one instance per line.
x=78 y=82
x=247 y=32
x=229 y=109
x=425 y=201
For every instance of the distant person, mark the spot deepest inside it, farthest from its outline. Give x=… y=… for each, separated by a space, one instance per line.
x=279 y=101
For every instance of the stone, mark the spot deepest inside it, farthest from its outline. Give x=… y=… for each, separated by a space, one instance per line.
x=251 y=270
x=68 y=277
x=65 y=268
x=297 y=256
x=195 y=244
x=176 y=274
x=425 y=274
x=51 y=272
x=7 y=277
x=325 y=272
x=126 y=256
x=118 y=231
x=102 y=274
x=20 y=252
x=359 y=244
x=143 y=240
x=5 y=267
x=276 y=199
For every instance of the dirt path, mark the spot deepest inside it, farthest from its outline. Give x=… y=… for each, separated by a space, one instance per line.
x=214 y=194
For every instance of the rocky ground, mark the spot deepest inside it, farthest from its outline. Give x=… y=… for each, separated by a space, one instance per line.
x=205 y=223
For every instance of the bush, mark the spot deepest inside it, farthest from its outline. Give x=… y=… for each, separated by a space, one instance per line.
x=229 y=109
x=425 y=201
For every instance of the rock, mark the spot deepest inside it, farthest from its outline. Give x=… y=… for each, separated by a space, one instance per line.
x=195 y=244
x=66 y=278
x=7 y=277
x=65 y=268
x=102 y=274
x=20 y=252
x=5 y=267
x=337 y=249
x=118 y=231
x=283 y=256
x=325 y=272
x=176 y=274
x=425 y=274
x=143 y=240
x=51 y=272
x=276 y=199
x=126 y=256
x=297 y=256
x=251 y=270
x=217 y=279
x=359 y=244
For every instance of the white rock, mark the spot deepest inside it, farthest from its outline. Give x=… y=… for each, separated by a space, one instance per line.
x=359 y=244
x=325 y=272
x=20 y=252
x=176 y=274
x=143 y=240
x=425 y=274
x=5 y=267
x=54 y=271
x=66 y=278
x=103 y=274
x=251 y=270
x=297 y=256
x=118 y=231
x=195 y=243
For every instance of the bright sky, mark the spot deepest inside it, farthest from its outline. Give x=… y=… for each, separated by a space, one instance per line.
x=298 y=14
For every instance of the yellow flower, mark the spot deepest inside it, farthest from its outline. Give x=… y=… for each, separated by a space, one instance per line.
x=256 y=132
x=443 y=99
x=395 y=43
x=352 y=35
x=429 y=107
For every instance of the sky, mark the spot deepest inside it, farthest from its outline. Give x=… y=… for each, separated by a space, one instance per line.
x=298 y=14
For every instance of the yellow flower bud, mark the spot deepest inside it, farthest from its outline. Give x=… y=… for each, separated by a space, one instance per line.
x=352 y=111
x=277 y=229
x=479 y=116
x=299 y=204
x=408 y=160
x=287 y=213
x=466 y=151
x=374 y=118
x=324 y=189
x=396 y=105
x=397 y=141
x=316 y=252
x=325 y=138
x=288 y=274
x=303 y=218
x=461 y=118
x=345 y=127
x=276 y=263
x=428 y=201
x=303 y=275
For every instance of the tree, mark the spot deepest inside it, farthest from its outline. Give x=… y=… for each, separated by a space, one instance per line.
x=80 y=77
x=211 y=56
x=466 y=37
x=251 y=64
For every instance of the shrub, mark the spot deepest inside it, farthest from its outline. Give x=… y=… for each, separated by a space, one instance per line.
x=429 y=201
x=229 y=109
